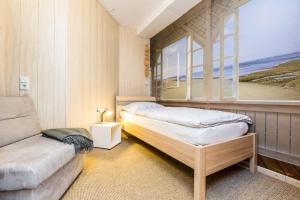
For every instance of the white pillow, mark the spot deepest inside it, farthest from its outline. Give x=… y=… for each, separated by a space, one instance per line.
x=133 y=107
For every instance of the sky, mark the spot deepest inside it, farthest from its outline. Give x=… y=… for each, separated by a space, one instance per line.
x=269 y=28
x=171 y=55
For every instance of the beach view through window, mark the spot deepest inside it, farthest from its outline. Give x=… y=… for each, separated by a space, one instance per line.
x=174 y=70
x=269 y=50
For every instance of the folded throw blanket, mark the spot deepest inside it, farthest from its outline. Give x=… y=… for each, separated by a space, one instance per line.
x=80 y=137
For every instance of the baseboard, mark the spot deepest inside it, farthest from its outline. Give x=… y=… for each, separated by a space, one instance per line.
x=279 y=176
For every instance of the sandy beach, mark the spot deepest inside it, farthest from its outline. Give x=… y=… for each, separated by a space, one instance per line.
x=254 y=91
x=247 y=91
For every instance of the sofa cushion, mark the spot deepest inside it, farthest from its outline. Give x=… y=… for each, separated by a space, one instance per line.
x=27 y=163
x=18 y=119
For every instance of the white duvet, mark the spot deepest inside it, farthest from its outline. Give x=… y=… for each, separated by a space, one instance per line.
x=192 y=117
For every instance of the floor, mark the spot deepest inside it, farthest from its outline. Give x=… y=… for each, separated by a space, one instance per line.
x=135 y=170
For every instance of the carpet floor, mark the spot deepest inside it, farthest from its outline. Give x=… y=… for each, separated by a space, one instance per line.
x=134 y=170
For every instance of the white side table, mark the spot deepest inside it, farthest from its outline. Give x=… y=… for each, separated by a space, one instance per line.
x=106 y=135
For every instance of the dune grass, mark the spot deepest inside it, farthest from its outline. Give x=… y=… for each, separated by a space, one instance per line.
x=284 y=75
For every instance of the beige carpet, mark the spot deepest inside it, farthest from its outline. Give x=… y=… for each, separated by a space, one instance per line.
x=135 y=171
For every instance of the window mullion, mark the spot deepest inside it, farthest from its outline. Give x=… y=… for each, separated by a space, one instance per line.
x=222 y=58
x=189 y=68
x=237 y=57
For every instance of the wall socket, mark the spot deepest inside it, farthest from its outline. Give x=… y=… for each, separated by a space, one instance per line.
x=24 y=83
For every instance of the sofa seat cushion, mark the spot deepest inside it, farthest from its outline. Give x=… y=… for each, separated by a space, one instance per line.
x=27 y=163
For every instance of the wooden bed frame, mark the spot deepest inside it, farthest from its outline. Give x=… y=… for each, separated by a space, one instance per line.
x=205 y=160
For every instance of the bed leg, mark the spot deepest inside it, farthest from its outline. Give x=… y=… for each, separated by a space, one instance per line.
x=253 y=160
x=199 y=175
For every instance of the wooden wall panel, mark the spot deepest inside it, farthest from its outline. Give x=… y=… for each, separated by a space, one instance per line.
x=295 y=135
x=12 y=67
x=283 y=133
x=61 y=15
x=261 y=128
x=93 y=58
x=132 y=80
x=46 y=63
x=271 y=131
x=29 y=46
x=3 y=35
x=68 y=49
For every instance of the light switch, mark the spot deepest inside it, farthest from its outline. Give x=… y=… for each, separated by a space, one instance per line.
x=24 y=83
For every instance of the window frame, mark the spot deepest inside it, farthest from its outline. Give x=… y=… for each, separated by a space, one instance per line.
x=192 y=66
x=160 y=97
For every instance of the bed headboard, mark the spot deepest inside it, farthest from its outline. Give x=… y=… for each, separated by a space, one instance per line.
x=122 y=101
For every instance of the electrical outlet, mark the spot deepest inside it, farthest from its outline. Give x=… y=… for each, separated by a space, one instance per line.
x=24 y=83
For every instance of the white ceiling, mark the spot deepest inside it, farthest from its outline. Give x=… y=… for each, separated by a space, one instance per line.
x=147 y=17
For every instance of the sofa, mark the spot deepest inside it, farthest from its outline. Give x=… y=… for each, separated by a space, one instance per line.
x=32 y=167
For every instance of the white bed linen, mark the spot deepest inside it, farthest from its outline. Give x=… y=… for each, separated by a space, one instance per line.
x=195 y=136
x=191 y=117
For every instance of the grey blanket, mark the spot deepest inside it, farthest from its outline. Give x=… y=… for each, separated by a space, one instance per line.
x=79 y=137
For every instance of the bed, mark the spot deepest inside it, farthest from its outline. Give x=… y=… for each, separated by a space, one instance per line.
x=206 y=155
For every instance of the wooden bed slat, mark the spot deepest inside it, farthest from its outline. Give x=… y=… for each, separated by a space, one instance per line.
x=180 y=151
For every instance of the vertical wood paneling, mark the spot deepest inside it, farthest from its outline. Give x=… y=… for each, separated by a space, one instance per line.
x=93 y=71
x=3 y=35
x=295 y=135
x=283 y=132
x=68 y=49
x=29 y=46
x=261 y=128
x=93 y=57
x=61 y=61
x=271 y=131
x=46 y=63
x=75 y=61
x=12 y=68
x=132 y=53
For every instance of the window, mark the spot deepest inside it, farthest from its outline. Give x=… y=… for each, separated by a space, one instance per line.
x=269 y=50
x=174 y=70
x=254 y=55
x=197 y=71
x=225 y=60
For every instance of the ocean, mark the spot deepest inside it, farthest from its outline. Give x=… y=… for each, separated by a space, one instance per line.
x=251 y=66
x=266 y=63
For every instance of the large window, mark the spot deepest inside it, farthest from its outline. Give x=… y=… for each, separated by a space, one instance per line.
x=174 y=70
x=225 y=60
x=253 y=53
x=269 y=50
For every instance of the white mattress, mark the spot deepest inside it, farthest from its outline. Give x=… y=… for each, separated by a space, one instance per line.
x=195 y=136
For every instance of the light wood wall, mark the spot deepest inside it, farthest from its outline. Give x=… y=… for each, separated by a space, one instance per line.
x=93 y=61
x=132 y=81
x=68 y=48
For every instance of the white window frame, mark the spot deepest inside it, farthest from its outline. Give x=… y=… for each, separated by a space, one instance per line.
x=235 y=76
x=187 y=89
x=192 y=66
